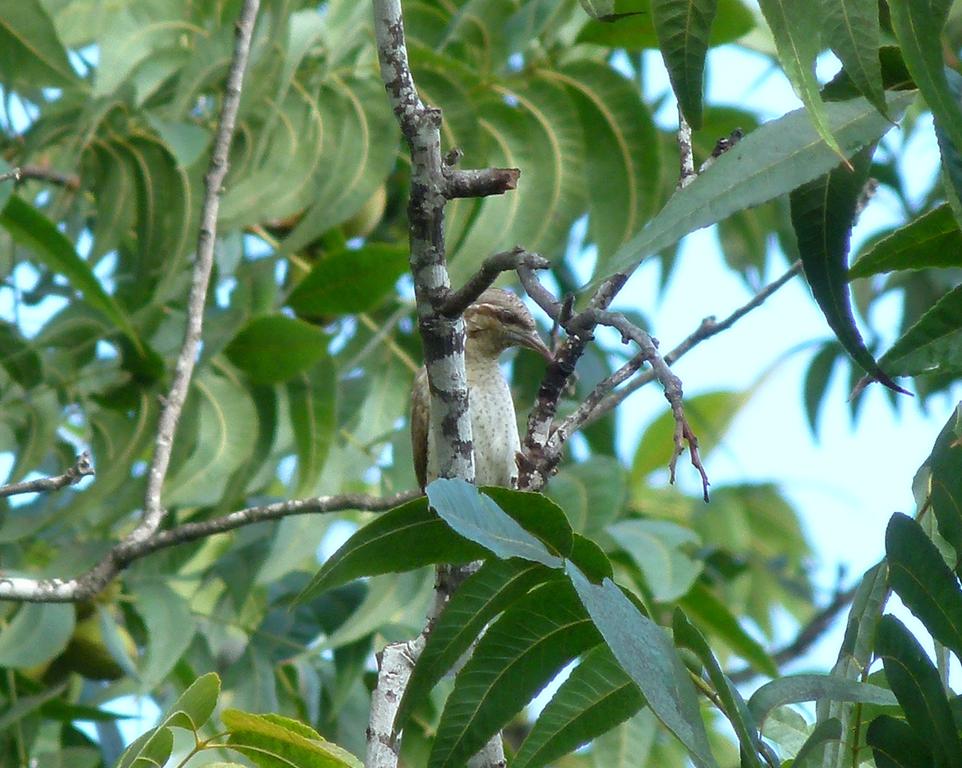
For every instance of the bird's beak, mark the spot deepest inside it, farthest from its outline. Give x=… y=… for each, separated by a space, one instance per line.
x=532 y=341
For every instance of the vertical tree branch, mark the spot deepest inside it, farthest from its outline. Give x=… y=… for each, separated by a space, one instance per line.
x=200 y=279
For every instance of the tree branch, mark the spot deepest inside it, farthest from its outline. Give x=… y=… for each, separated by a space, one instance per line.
x=173 y=403
x=40 y=173
x=81 y=468
x=709 y=327
x=479 y=183
x=817 y=626
x=491 y=267
x=127 y=551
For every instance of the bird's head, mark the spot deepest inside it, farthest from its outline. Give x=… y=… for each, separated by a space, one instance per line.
x=498 y=320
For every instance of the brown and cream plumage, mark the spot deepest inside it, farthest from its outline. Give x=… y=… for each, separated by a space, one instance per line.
x=496 y=321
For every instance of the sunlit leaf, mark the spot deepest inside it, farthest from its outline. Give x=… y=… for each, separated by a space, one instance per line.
x=851 y=29
x=276 y=348
x=37 y=633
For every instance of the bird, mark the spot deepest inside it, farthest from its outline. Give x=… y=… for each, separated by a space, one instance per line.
x=496 y=321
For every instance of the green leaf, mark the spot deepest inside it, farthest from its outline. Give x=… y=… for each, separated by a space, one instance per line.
x=409 y=536
x=773 y=160
x=192 y=710
x=131 y=34
x=227 y=433
x=170 y=628
x=816 y=380
x=855 y=653
x=636 y=31
x=714 y=615
x=390 y=600
x=932 y=344
x=591 y=492
x=516 y=657
x=275 y=348
x=895 y=744
x=37 y=634
x=646 y=654
x=792 y=689
x=851 y=29
x=312 y=400
x=683 y=27
x=709 y=414
x=796 y=31
x=186 y=141
x=733 y=705
x=596 y=695
x=944 y=482
x=822 y=214
x=349 y=281
x=19 y=357
x=537 y=514
x=917 y=25
x=630 y=744
x=951 y=156
x=931 y=240
x=272 y=741
x=658 y=548
x=925 y=583
x=477 y=518
x=31 y=229
x=496 y=586
x=622 y=163
x=31 y=54
x=915 y=682
x=828 y=731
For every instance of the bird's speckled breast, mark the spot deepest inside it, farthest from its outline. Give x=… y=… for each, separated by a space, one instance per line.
x=493 y=424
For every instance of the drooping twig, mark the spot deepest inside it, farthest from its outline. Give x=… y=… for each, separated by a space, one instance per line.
x=173 y=403
x=82 y=468
x=123 y=554
x=491 y=267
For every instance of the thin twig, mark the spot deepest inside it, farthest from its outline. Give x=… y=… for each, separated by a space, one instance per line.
x=40 y=173
x=82 y=468
x=709 y=327
x=127 y=551
x=173 y=403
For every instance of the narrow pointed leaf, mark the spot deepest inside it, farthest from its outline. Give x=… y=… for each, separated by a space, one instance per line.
x=496 y=586
x=409 y=536
x=822 y=214
x=933 y=344
x=825 y=732
x=312 y=399
x=944 y=491
x=734 y=708
x=792 y=689
x=925 y=583
x=31 y=53
x=31 y=229
x=647 y=655
x=895 y=744
x=851 y=29
x=597 y=695
x=714 y=615
x=931 y=240
x=796 y=30
x=518 y=655
x=917 y=26
x=683 y=27
x=270 y=741
x=915 y=682
x=951 y=156
x=772 y=160
x=478 y=518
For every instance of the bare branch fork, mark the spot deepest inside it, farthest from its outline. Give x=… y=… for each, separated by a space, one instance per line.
x=154 y=513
